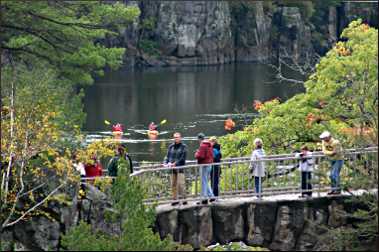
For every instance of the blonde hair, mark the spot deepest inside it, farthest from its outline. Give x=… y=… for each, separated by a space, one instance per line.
x=258 y=140
x=213 y=139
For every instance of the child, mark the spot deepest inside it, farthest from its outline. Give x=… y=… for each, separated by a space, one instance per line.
x=306 y=164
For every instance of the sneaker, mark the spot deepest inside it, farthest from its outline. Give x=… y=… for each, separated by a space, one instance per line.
x=212 y=199
x=204 y=202
x=184 y=203
x=330 y=193
x=337 y=192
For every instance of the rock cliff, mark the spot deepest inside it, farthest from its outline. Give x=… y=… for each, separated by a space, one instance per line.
x=217 y=32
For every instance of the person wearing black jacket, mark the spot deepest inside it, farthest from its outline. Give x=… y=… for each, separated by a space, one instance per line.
x=176 y=156
x=216 y=169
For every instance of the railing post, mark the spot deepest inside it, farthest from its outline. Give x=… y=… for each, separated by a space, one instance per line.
x=249 y=175
x=260 y=188
x=301 y=180
x=319 y=176
x=236 y=165
x=231 y=177
x=196 y=180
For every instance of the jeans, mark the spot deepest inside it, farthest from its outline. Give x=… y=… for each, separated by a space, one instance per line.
x=215 y=178
x=335 y=174
x=206 y=190
x=306 y=182
x=258 y=185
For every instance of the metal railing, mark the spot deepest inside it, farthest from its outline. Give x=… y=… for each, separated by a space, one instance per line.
x=282 y=176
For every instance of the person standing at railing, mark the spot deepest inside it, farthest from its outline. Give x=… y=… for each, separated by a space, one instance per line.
x=306 y=165
x=204 y=155
x=332 y=148
x=114 y=163
x=176 y=157
x=216 y=169
x=112 y=167
x=93 y=169
x=258 y=167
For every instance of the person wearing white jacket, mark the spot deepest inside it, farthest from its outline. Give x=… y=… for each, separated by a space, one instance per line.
x=258 y=167
x=306 y=165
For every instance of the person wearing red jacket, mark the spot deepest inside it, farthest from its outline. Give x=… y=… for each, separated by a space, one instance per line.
x=93 y=170
x=204 y=155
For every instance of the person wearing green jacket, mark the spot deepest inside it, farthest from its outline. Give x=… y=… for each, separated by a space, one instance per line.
x=332 y=148
x=114 y=163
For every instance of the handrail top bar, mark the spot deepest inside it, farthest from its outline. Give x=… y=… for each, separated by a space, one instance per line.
x=314 y=153
x=144 y=169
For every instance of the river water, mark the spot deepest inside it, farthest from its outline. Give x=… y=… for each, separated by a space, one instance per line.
x=192 y=100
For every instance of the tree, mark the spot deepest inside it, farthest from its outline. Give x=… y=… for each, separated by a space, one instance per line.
x=48 y=47
x=341 y=96
x=64 y=35
x=134 y=217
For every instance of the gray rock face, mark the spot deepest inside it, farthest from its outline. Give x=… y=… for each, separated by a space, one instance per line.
x=259 y=233
x=290 y=221
x=281 y=225
x=39 y=234
x=295 y=40
x=217 y=32
x=228 y=223
x=196 y=226
x=198 y=30
x=252 y=34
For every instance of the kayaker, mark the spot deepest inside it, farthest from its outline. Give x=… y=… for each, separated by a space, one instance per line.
x=153 y=126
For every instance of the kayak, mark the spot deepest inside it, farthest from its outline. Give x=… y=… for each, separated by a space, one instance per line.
x=153 y=132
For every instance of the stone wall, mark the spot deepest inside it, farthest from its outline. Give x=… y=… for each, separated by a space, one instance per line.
x=277 y=225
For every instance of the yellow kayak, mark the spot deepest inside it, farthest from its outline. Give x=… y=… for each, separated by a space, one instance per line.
x=153 y=132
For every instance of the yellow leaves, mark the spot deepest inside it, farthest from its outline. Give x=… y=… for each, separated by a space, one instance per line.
x=341 y=49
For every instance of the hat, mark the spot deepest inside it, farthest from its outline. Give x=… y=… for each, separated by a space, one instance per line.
x=213 y=139
x=200 y=136
x=258 y=140
x=325 y=134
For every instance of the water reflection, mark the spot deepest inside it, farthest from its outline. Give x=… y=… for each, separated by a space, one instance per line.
x=192 y=99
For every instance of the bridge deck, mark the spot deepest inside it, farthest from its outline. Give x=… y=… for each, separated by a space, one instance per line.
x=240 y=200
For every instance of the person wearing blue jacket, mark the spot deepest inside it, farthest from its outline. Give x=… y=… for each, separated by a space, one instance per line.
x=216 y=169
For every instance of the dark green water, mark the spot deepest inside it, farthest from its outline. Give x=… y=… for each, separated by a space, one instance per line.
x=192 y=99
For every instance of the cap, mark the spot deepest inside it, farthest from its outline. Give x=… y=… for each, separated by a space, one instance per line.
x=200 y=136
x=325 y=134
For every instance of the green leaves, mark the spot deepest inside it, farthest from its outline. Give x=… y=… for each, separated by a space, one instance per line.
x=340 y=96
x=65 y=35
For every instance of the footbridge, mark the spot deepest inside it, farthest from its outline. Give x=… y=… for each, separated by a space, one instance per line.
x=276 y=218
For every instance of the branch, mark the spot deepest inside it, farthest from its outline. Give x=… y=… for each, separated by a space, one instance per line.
x=5 y=181
x=6 y=224
x=82 y=25
x=34 y=33
x=28 y=51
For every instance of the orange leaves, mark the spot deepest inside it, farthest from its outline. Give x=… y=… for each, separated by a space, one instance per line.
x=257 y=105
x=342 y=50
x=266 y=106
x=229 y=124
x=312 y=118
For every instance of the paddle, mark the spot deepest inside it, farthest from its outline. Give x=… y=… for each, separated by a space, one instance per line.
x=163 y=122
